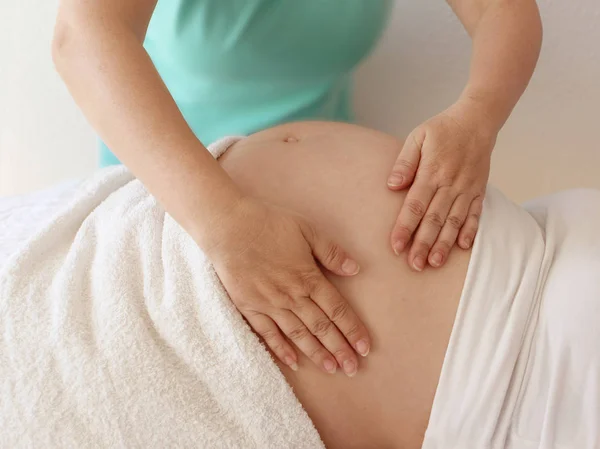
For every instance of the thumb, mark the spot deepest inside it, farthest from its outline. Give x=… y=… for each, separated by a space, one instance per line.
x=405 y=167
x=331 y=255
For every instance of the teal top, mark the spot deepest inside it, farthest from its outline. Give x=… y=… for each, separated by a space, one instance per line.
x=239 y=66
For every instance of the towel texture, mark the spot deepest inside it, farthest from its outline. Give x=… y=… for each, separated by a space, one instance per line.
x=116 y=332
x=21 y=216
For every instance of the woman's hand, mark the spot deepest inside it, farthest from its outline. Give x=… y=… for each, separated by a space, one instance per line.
x=446 y=163
x=265 y=257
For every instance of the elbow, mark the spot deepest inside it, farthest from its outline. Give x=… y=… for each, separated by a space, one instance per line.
x=71 y=38
x=62 y=43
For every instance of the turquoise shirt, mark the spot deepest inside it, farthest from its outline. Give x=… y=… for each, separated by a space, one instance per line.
x=239 y=66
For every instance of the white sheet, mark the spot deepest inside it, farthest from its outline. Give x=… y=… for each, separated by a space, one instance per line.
x=522 y=369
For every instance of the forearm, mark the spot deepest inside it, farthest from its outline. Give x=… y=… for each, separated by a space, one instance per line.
x=507 y=37
x=114 y=82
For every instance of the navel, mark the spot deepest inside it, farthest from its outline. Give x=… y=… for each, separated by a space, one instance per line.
x=291 y=139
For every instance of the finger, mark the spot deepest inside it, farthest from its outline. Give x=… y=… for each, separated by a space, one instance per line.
x=447 y=237
x=330 y=254
x=326 y=296
x=412 y=211
x=273 y=338
x=299 y=334
x=327 y=333
x=405 y=168
x=469 y=229
x=430 y=228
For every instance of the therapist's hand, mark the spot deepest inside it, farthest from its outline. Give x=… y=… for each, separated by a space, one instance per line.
x=445 y=163
x=266 y=261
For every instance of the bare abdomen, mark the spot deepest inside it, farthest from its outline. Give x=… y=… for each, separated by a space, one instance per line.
x=335 y=174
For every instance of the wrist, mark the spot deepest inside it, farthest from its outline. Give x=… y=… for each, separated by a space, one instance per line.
x=224 y=226
x=481 y=112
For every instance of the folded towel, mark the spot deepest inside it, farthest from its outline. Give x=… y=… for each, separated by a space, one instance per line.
x=116 y=332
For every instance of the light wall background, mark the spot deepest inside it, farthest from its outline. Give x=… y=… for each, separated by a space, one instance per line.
x=551 y=142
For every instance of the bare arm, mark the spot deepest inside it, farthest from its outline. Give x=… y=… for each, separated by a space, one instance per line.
x=445 y=162
x=507 y=36
x=265 y=256
x=98 y=52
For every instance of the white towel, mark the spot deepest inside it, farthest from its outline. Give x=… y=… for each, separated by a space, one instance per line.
x=115 y=332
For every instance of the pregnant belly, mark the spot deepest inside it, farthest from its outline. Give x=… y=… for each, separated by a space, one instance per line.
x=335 y=175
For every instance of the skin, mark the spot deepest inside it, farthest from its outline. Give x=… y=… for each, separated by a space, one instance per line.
x=265 y=255
x=445 y=162
x=99 y=43
x=306 y=167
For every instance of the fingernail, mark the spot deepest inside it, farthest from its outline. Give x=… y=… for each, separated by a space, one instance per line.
x=419 y=263
x=330 y=366
x=436 y=259
x=291 y=363
x=350 y=368
x=467 y=242
x=395 y=180
x=362 y=347
x=350 y=267
x=398 y=247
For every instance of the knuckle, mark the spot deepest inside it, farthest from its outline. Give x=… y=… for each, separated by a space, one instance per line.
x=353 y=331
x=474 y=220
x=433 y=168
x=316 y=354
x=418 y=136
x=298 y=333
x=433 y=219
x=339 y=311
x=445 y=177
x=342 y=354
x=433 y=182
x=420 y=248
x=287 y=301
x=477 y=198
x=422 y=253
x=269 y=335
x=277 y=347
x=403 y=165
x=244 y=304
x=333 y=253
x=444 y=246
x=479 y=193
x=309 y=280
x=454 y=221
x=402 y=231
x=321 y=327
x=476 y=206
x=416 y=207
